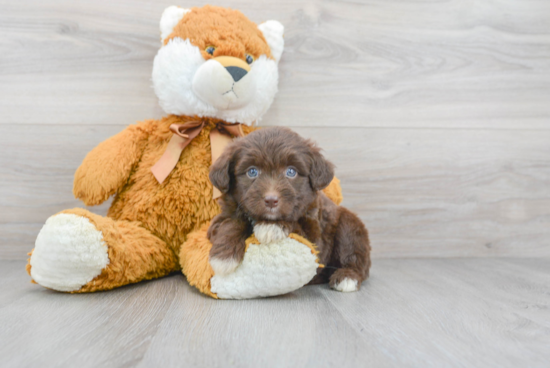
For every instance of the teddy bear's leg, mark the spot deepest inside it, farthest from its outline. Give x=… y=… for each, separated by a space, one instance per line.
x=275 y=267
x=78 y=251
x=194 y=261
x=334 y=191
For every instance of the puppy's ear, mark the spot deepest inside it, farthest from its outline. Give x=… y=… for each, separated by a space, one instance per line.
x=220 y=172
x=321 y=172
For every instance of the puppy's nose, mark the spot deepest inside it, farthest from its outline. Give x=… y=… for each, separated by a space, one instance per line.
x=271 y=201
x=236 y=72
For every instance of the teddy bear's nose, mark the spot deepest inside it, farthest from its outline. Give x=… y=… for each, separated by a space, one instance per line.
x=236 y=72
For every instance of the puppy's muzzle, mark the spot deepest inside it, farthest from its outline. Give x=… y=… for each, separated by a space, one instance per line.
x=271 y=201
x=236 y=67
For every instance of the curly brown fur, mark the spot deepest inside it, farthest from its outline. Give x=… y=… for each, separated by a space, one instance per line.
x=295 y=203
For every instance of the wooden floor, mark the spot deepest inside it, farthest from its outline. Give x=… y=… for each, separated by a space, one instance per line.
x=411 y=312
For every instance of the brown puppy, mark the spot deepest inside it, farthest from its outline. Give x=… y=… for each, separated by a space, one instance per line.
x=271 y=182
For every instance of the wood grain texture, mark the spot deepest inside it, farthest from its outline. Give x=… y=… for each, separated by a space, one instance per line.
x=444 y=64
x=446 y=148
x=410 y=313
x=421 y=192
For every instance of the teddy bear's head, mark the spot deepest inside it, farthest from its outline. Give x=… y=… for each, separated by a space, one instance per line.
x=215 y=62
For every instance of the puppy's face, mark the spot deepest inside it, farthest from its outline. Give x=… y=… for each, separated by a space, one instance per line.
x=272 y=174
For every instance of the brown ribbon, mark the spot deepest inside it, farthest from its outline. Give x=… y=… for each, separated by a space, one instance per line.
x=220 y=136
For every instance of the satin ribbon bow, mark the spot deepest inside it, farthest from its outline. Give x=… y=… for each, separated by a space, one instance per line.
x=220 y=136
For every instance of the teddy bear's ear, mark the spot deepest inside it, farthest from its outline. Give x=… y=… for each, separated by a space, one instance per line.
x=273 y=33
x=170 y=18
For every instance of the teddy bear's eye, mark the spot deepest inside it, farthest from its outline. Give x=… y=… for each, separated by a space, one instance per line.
x=249 y=59
x=210 y=50
x=252 y=172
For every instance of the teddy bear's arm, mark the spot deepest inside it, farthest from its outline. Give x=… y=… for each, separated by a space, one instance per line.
x=106 y=168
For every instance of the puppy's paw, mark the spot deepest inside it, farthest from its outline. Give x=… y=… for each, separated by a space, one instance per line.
x=346 y=285
x=223 y=267
x=269 y=233
x=344 y=280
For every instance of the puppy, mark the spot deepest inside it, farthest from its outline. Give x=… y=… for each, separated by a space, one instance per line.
x=271 y=182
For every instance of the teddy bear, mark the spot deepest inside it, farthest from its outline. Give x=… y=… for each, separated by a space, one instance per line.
x=215 y=76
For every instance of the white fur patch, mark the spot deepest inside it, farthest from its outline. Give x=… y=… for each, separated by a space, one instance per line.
x=346 y=285
x=69 y=252
x=269 y=233
x=267 y=270
x=223 y=267
x=273 y=33
x=175 y=84
x=214 y=85
x=171 y=16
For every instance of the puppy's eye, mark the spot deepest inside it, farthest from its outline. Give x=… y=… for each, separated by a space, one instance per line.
x=210 y=50
x=249 y=59
x=252 y=172
x=291 y=172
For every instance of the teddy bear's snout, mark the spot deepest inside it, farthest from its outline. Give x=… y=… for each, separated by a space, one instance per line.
x=236 y=67
x=236 y=72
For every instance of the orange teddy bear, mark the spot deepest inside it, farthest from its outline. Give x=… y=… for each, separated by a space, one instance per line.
x=215 y=75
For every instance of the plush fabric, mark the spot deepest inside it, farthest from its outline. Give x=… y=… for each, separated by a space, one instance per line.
x=184 y=73
x=230 y=31
x=70 y=252
x=153 y=229
x=275 y=269
x=148 y=223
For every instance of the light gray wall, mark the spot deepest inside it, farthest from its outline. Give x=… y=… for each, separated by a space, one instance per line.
x=436 y=113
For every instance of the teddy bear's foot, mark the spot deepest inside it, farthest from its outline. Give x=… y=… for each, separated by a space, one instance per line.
x=79 y=251
x=273 y=264
x=274 y=268
x=69 y=252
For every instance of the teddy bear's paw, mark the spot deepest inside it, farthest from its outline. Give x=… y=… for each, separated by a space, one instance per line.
x=269 y=233
x=223 y=267
x=69 y=252
x=272 y=268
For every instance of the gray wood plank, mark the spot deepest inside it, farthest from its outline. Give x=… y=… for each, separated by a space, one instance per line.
x=459 y=313
x=78 y=329
x=445 y=193
x=450 y=64
x=421 y=192
x=287 y=331
x=411 y=312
